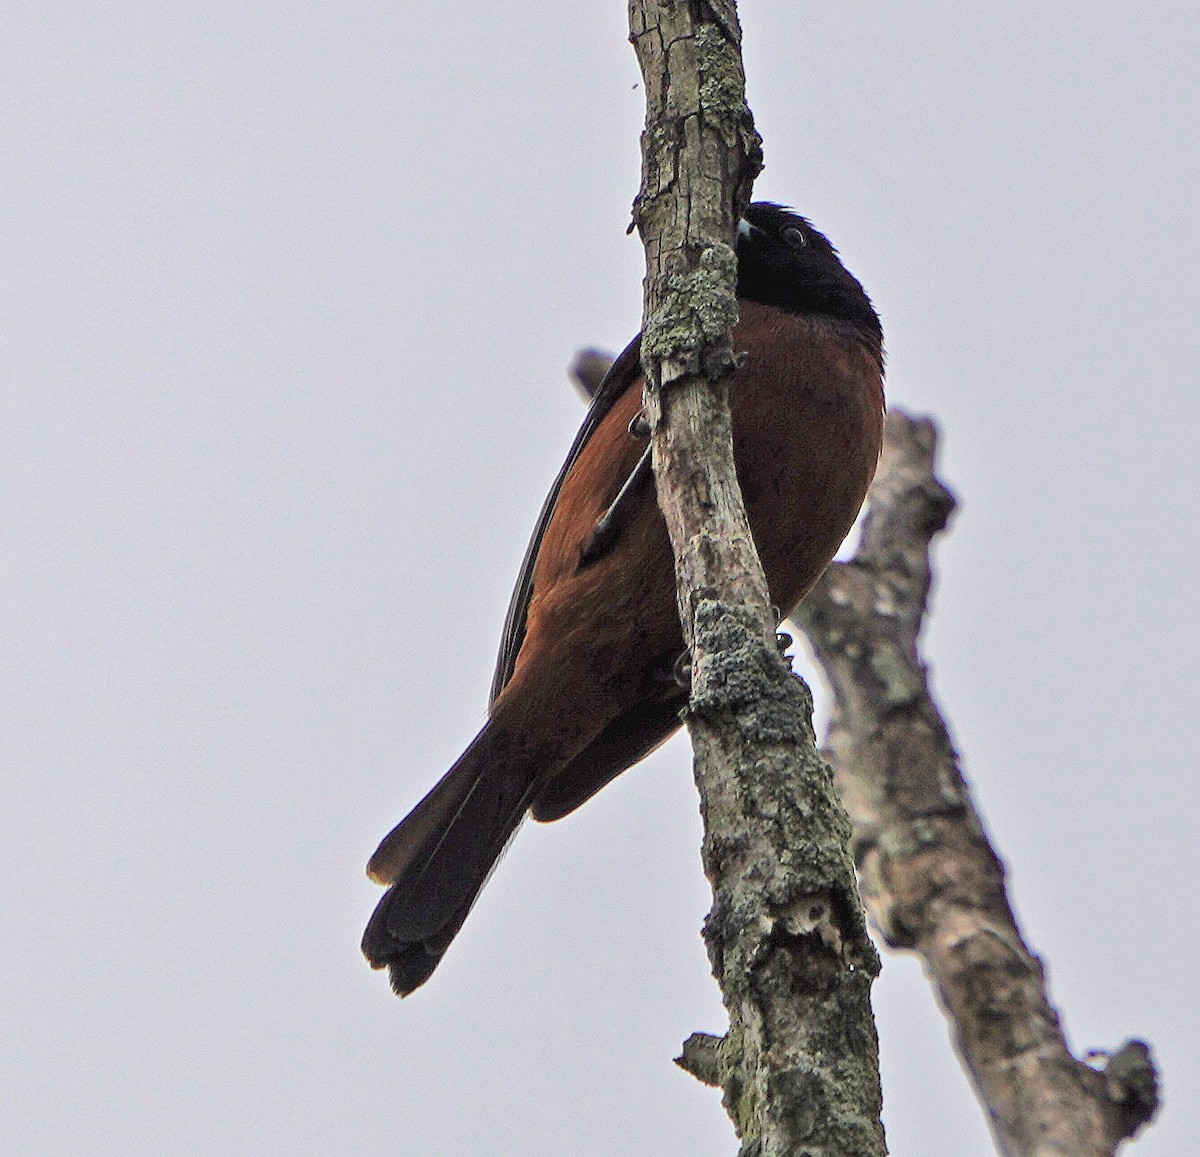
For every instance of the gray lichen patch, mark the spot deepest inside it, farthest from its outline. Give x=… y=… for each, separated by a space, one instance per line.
x=696 y=312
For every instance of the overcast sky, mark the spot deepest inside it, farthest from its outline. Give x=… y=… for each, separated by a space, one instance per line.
x=288 y=295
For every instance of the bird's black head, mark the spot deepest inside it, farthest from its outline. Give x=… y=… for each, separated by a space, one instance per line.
x=784 y=261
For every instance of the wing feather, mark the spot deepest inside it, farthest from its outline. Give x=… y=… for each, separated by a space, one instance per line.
x=623 y=372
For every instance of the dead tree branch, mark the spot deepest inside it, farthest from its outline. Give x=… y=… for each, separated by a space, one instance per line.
x=929 y=877
x=786 y=934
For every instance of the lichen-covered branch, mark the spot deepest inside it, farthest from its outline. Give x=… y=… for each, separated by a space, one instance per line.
x=929 y=876
x=786 y=935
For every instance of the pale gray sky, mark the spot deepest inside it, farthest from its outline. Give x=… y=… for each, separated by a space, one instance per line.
x=289 y=290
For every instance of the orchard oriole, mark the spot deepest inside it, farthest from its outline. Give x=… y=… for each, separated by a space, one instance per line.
x=583 y=686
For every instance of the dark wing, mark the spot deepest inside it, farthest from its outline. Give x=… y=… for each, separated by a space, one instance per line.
x=622 y=372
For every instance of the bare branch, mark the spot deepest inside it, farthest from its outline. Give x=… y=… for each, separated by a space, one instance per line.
x=930 y=879
x=786 y=934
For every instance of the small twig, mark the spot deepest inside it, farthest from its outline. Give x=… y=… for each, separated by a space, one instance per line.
x=701 y=1056
x=929 y=877
x=588 y=370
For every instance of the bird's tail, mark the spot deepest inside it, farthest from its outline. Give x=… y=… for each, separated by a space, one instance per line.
x=437 y=859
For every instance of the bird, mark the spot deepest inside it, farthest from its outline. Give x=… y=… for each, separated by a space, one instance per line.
x=589 y=677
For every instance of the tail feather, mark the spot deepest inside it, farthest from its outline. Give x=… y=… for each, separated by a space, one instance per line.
x=438 y=858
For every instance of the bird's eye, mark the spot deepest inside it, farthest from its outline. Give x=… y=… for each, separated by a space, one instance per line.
x=794 y=237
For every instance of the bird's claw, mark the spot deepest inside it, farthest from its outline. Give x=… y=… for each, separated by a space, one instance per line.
x=639 y=426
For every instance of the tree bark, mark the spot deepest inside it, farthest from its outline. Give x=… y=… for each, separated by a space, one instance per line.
x=929 y=877
x=786 y=935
